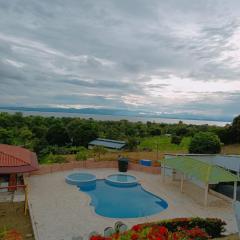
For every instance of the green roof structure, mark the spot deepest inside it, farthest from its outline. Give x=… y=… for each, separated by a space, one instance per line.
x=205 y=172
x=202 y=171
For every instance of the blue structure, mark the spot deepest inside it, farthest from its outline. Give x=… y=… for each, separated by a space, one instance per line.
x=107 y=143
x=85 y=181
x=122 y=180
x=146 y=162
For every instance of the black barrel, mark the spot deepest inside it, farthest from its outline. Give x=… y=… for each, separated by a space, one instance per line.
x=122 y=164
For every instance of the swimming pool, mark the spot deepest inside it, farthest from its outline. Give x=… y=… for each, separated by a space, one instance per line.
x=124 y=180
x=123 y=201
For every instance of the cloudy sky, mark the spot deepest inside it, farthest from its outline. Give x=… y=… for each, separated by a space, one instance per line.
x=162 y=56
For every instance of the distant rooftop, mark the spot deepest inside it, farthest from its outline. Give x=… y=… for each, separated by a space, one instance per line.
x=107 y=143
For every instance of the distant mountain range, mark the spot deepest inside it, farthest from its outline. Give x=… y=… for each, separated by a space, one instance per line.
x=118 y=112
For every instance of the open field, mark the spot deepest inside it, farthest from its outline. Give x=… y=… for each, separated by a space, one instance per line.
x=12 y=217
x=231 y=149
x=163 y=144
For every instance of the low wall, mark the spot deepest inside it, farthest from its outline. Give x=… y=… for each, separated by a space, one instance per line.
x=91 y=164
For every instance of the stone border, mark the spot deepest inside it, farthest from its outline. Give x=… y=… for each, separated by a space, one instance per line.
x=91 y=164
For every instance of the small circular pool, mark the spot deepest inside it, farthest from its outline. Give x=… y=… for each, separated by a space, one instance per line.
x=82 y=180
x=122 y=180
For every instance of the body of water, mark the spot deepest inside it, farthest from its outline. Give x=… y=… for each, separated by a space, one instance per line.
x=117 y=118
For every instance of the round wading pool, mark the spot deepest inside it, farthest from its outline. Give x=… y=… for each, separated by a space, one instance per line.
x=122 y=180
x=85 y=181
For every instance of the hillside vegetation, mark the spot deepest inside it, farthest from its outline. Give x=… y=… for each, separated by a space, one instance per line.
x=53 y=137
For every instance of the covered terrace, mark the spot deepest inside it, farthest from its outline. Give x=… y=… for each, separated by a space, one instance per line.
x=204 y=172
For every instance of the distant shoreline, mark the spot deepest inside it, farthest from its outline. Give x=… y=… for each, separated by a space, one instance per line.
x=105 y=117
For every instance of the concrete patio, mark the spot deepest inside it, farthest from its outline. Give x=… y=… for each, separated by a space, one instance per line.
x=60 y=211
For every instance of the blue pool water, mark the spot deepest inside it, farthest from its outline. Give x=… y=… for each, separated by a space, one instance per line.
x=123 y=201
x=123 y=178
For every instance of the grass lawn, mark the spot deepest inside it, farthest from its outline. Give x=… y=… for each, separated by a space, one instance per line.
x=164 y=145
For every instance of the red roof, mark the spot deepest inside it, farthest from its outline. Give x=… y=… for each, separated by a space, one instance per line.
x=14 y=159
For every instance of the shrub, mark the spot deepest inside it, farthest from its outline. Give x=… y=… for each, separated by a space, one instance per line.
x=10 y=235
x=177 y=229
x=176 y=139
x=59 y=159
x=132 y=143
x=214 y=227
x=53 y=159
x=82 y=155
x=205 y=142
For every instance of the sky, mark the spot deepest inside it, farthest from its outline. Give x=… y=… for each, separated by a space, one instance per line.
x=148 y=55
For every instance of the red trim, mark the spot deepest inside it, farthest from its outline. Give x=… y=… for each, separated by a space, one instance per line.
x=14 y=187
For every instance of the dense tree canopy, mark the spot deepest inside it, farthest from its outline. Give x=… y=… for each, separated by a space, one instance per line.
x=42 y=134
x=57 y=135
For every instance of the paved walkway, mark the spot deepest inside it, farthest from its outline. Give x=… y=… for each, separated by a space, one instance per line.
x=61 y=211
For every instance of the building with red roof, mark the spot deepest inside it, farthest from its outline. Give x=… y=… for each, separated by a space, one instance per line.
x=14 y=159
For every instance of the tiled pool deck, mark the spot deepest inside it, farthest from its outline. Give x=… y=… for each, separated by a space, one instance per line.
x=61 y=211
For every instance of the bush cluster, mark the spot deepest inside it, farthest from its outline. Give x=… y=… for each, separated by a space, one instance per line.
x=176 y=139
x=82 y=154
x=53 y=159
x=205 y=142
x=177 y=229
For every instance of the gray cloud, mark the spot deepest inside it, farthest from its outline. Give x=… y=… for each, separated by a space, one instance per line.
x=123 y=54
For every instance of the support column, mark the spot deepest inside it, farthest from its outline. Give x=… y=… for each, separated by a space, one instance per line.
x=235 y=192
x=173 y=174
x=163 y=171
x=206 y=195
x=26 y=200
x=182 y=181
x=12 y=182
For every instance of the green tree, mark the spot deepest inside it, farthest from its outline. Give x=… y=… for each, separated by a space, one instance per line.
x=57 y=135
x=18 y=119
x=39 y=131
x=175 y=139
x=5 y=136
x=236 y=129
x=205 y=142
x=25 y=136
x=82 y=132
